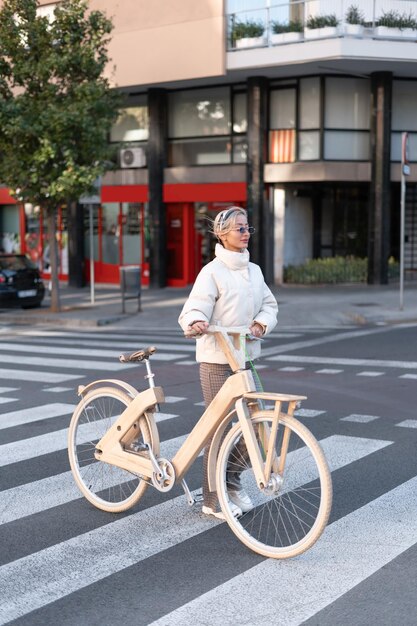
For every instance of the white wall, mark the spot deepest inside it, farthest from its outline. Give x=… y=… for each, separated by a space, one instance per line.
x=293 y=231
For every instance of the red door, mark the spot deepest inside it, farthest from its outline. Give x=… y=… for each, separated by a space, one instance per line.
x=180 y=244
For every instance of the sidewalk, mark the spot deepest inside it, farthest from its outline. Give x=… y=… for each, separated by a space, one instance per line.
x=332 y=305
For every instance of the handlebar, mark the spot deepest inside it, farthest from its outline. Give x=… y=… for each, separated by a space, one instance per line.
x=229 y=330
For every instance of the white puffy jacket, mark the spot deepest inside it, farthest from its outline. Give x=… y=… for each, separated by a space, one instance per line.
x=229 y=291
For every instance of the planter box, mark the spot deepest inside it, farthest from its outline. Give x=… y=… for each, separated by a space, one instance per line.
x=278 y=38
x=409 y=33
x=249 y=42
x=388 y=33
x=354 y=30
x=322 y=33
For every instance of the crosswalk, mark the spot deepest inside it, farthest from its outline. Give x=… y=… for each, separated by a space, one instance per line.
x=56 y=551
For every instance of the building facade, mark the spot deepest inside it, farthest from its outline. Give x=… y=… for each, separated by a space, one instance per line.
x=288 y=109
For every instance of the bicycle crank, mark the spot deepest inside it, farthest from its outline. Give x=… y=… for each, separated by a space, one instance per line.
x=164 y=478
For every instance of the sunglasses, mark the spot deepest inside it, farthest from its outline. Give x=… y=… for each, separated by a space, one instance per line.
x=242 y=230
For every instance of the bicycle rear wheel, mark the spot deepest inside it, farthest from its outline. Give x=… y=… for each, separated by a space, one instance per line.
x=291 y=512
x=108 y=487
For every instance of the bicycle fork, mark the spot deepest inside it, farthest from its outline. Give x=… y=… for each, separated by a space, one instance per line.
x=262 y=469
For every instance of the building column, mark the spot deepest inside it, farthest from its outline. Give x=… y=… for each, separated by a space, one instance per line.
x=76 y=260
x=259 y=211
x=380 y=201
x=156 y=158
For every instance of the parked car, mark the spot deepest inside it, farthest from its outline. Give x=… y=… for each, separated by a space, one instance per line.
x=20 y=282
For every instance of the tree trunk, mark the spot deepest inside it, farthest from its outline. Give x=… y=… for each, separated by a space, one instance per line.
x=53 y=253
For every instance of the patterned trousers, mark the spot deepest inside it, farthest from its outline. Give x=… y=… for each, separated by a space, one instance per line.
x=212 y=378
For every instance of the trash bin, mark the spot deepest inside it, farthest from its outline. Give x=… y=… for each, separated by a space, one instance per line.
x=130 y=285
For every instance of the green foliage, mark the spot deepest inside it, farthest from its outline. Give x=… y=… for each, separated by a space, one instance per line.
x=334 y=270
x=250 y=28
x=354 y=15
x=56 y=107
x=321 y=21
x=394 y=19
x=294 y=26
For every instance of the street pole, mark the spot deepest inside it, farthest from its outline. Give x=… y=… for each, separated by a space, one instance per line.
x=405 y=171
x=90 y=207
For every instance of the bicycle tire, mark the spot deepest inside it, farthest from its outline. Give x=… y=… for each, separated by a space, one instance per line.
x=286 y=523
x=106 y=486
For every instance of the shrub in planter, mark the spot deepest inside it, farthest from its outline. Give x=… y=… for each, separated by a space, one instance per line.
x=249 y=30
x=355 y=21
x=321 y=26
x=321 y=21
x=286 y=33
x=395 y=24
x=354 y=16
x=328 y=271
x=290 y=27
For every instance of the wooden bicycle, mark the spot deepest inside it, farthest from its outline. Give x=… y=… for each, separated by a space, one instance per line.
x=114 y=449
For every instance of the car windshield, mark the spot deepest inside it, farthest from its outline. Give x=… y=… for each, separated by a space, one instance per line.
x=15 y=262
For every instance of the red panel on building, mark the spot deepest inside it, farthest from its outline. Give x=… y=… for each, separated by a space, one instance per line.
x=205 y=192
x=124 y=193
x=5 y=197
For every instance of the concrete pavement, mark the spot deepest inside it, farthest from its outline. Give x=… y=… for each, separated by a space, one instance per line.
x=330 y=305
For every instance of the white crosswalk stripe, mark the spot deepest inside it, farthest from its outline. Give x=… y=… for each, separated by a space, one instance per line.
x=351 y=549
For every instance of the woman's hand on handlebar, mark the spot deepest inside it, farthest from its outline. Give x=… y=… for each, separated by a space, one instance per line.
x=256 y=329
x=199 y=327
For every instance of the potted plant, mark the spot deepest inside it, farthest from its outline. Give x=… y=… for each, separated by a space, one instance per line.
x=355 y=22
x=286 y=33
x=389 y=25
x=408 y=26
x=321 y=26
x=247 y=34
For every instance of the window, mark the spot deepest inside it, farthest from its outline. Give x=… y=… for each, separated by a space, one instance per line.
x=282 y=123
x=347 y=119
x=403 y=118
x=310 y=119
x=132 y=125
x=207 y=126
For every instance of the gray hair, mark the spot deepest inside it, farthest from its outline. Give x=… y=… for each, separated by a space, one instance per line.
x=226 y=220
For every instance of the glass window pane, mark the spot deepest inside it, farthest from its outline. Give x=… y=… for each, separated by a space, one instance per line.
x=396 y=147
x=347 y=103
x=282 y=108
x=132 y=233
x=199 y=152
x=199 y=112
x=282 y=146
x=87 y=242
x=110 y=233
x=310 y=103
x=240 y=149
x=348 y=146
x=131 y=125
x=309 y=145
x=240 y=116
x=404 y=105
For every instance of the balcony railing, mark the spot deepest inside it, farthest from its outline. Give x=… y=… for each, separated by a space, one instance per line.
x=304 y=20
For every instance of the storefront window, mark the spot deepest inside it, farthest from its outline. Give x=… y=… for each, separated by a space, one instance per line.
x=87 y=239
x=110 y=239
x=9 y=228
x=282 y=119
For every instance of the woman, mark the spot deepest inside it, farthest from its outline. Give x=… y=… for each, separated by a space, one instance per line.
x=229 y=291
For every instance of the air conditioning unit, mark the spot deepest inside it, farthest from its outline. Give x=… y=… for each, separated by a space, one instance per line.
x=132 y=158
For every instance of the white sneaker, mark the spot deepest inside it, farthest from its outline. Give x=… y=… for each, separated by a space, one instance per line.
x=241 y=500
x=235 y=510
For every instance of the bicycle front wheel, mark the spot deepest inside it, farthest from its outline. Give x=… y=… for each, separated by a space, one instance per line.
x=290 y=512
x=108 y=487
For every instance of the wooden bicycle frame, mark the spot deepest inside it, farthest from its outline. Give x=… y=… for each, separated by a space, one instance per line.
x=236 y=392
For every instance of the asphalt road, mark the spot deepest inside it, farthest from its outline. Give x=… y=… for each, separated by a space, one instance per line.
x=63 y=561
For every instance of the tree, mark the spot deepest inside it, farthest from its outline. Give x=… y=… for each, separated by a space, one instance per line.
x=56 y=107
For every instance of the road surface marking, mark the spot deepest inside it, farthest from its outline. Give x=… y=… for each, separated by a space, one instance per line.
x=33 y=414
